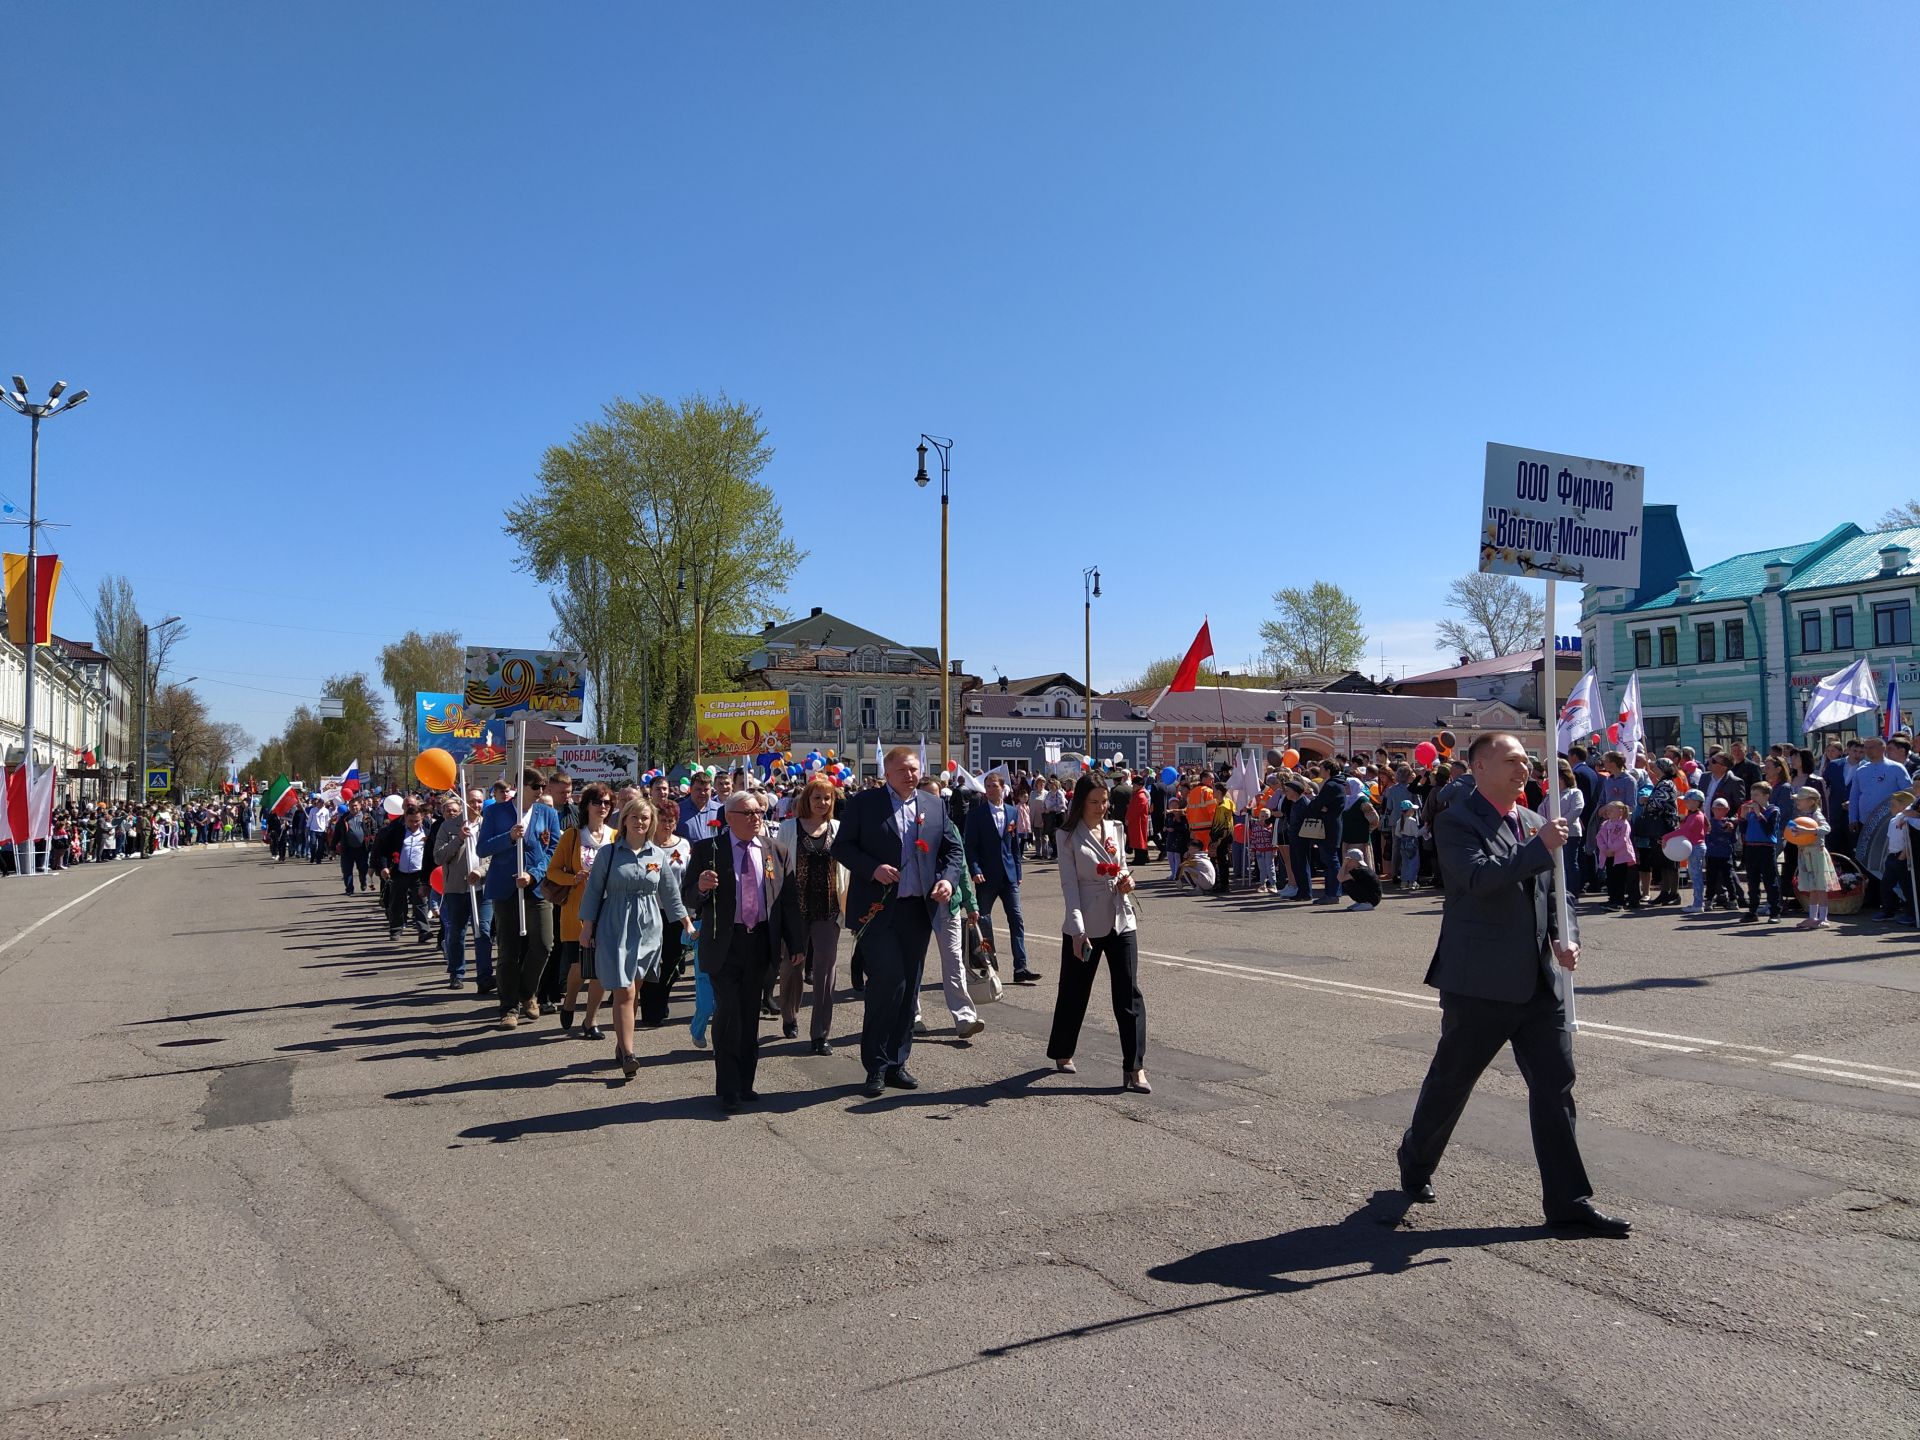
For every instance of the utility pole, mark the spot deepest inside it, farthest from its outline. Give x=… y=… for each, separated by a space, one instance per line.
x=1089 y=590
x=922 y=479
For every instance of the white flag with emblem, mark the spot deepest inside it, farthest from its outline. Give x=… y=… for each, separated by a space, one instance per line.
x=1840 y=695
x=1576 y=716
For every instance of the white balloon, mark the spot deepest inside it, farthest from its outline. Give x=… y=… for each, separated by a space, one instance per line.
x=1677 y=849
x=393 y=805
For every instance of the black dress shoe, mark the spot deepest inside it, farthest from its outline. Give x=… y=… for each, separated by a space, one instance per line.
x=750 y=1095
x=792 y=1032
x=1026 y=977
x=1583 y=1216
x=900 y=1078
x=821 y=1047
x=729 y=1104
x=876 y=1085
x=1420 y=1192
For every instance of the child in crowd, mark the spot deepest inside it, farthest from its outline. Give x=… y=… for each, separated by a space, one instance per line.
x=1814 y=878
x=1406 y=840
x=1613 y=847
x=1720 y=832
x=1260 y=844
x=1358 y=881
x=1174 y=838
x=1693 y=829
x=1760 y=834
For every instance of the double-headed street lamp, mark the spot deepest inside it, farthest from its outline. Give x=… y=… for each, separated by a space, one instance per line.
x=922 y=479
x=1089 y=591
x=16 y=400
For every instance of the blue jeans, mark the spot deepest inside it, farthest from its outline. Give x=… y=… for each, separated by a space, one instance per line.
x=1698 y=866
x=456 y=912
x=988 y=891
x=1326 y=856
x=1407 y=851
x=703 y=1003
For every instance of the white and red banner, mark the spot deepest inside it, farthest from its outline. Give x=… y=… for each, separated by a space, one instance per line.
x=26 y=817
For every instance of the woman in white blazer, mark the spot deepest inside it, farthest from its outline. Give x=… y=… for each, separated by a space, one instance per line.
x=805 y=842
x=1095 y=884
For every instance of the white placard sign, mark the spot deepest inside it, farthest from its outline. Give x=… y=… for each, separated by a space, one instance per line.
x=602 y=764
x=1562 y=517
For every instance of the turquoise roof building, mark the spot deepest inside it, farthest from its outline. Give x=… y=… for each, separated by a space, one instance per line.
x=1730 y=652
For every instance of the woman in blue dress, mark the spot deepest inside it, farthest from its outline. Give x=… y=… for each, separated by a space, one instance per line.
x=629 y=897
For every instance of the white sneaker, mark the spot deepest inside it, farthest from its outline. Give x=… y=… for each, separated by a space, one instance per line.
x=1289 y=893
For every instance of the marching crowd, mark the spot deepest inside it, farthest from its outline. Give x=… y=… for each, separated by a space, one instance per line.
x=595 y=904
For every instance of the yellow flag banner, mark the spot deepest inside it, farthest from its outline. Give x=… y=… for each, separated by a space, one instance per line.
x=741 y=723
x=14 y=570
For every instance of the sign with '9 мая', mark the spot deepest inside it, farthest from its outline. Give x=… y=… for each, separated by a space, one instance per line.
x=1561 y=517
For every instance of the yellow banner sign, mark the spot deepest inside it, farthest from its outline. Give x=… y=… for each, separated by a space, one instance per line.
x=747 y=722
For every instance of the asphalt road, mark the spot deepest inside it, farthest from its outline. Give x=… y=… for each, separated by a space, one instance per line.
x=265 y=1176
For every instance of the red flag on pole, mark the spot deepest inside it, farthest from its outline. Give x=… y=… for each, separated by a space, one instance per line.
x=1201 y=649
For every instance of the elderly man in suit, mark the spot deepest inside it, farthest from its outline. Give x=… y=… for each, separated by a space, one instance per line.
x=1493 y=966
x=902 y=859
x=735 y=885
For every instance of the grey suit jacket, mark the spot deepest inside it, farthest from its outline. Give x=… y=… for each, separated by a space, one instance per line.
x=1497 y=927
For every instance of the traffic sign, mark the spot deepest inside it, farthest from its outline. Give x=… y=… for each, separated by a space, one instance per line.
x=159 y=779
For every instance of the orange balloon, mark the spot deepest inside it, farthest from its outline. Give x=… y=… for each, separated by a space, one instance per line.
x=436 y=769
x=1290 y=758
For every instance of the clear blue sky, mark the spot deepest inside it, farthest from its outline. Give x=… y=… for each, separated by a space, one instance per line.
x=1217 y=297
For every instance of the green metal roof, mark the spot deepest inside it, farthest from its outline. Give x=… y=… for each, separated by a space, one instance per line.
x=1742 y=576
x=1857 y=560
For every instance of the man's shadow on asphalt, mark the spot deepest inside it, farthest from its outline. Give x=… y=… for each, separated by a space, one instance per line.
x=1373 y=1241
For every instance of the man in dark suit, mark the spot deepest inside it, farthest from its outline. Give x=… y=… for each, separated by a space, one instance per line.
x=901 y=860
x=993 y=855
x=736 y=886
x=1493 y=966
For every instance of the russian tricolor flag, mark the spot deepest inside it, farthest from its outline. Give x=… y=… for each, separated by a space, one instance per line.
x=350 y=782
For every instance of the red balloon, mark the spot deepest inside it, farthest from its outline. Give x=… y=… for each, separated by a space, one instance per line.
x=438 y=880
x=1425 y=753
x=1239 y=833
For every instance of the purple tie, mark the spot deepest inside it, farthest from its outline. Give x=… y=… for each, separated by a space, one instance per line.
x=747 y=882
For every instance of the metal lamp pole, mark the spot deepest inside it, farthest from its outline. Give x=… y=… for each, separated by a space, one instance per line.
x=16 y=400
x=1089 y=588
x=922 y=479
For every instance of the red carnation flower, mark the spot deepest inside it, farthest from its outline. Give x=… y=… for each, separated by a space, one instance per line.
x=921 y=846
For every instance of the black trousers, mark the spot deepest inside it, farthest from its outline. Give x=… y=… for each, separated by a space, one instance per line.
x=350 y=860
x=406 y=900
x=893 y=948
x=1763 y=871
x=1472 y=1031
x=1122 y=949
x=655 y=993
x=736 y=1013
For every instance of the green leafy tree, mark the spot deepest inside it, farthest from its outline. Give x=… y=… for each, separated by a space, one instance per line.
x=648 y=524
x=1314 y=631
x=417 y=662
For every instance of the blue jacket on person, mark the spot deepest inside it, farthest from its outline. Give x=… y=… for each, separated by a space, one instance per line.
x=495 y=842
x=993 y=852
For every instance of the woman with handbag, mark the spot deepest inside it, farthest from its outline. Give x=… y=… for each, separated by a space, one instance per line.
x=566 y=880
x=628 y=900
x=1096 y=887
x=806 y=842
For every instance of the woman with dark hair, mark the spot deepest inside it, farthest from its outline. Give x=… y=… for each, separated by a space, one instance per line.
x=1095 y=884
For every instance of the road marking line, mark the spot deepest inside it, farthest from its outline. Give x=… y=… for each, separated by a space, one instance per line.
x=54 y=915
x=1620 y=1034
x=1848 y=1074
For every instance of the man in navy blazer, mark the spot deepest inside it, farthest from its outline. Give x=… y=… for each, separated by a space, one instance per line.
x=902 y=859
x=993 y=855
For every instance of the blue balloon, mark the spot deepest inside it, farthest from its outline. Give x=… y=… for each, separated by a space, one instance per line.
x=1169 y=776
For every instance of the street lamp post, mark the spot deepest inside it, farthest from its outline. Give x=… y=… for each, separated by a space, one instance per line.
x=1347 y=720
x=922 y=479
x=1090 y=591
x=16 y=400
